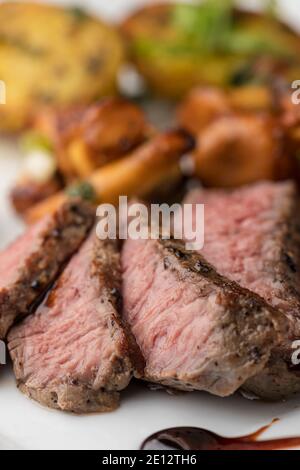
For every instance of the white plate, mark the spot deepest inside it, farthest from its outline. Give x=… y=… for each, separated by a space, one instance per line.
x=26 y=425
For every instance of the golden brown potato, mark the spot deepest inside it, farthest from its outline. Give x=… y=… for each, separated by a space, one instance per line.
x=138 y=174
x=237 y=150
x=177 y=46
x=52 y=55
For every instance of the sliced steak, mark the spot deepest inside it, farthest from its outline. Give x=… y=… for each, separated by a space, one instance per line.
x=252 y=236
x=196 y=329
x=32 y=262
x=73 y=353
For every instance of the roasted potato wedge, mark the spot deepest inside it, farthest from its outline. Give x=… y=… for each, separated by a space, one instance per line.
x=177 y=46
x=52 y=55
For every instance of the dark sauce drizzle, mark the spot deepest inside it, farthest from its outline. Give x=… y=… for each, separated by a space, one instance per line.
x=189 y=438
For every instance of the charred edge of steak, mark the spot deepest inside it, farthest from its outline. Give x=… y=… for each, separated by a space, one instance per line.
x=288 y=270
x=78 y=395
x=246 y=309
x=238 y=299
x=280 y=379
x=275 y=382
x=286 y=263
x=194 y=263
x=287 y=273
x=107 y=264
x=62 y=237
x=75 y=398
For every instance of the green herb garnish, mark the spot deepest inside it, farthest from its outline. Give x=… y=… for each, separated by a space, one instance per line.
x=211 y=28
x=78 y=13
x=35 y=141
x=22 y=45
x=152 y=47
x=82 y=190
x=252 y=43
x=207 y=25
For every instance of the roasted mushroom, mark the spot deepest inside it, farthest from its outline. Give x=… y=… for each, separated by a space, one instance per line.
x=68 y=145
x=148 y=167
x=237 y=150
x=87 y=138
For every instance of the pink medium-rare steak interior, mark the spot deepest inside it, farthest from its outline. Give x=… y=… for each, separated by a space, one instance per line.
x=73 y=348
x=175 y=333
x=244 y=235
x=252 y=235
x=196 y=330
x=33 y=262
x=70 y=316
x=12 y=258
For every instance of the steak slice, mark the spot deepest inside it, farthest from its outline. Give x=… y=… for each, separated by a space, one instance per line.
x=73 y=354
x=252 y=236
x=196 y=329
x=34 y=260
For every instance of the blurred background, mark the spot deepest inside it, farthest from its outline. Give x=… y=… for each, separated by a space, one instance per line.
x=91 y=84
x=116 y=9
